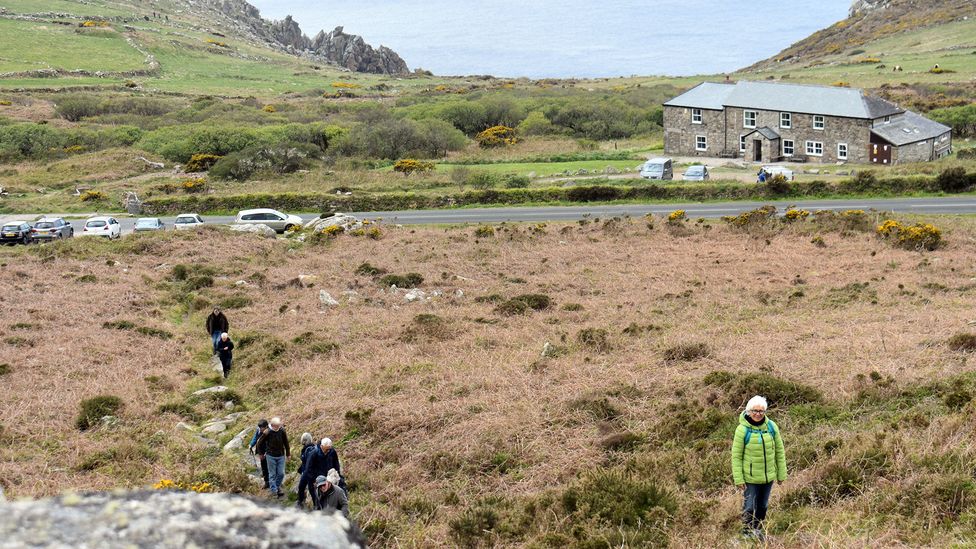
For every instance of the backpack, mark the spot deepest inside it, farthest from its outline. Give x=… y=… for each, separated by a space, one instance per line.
x=749 y=430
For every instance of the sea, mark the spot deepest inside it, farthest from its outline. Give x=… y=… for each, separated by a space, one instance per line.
x=570 y=38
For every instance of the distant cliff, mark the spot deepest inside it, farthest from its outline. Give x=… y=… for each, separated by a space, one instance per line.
x=336 y=47
x=870 y=20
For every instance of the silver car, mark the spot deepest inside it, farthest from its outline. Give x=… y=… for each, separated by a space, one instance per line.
x=149 y=224
x=278 y=221
x=696 y=173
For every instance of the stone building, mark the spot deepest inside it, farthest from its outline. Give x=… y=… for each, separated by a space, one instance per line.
x=770 y=122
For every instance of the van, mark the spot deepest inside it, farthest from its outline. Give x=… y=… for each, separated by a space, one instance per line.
x=657 y=168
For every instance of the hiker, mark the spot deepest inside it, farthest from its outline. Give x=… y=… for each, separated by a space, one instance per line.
x=262 y=427
x=758 y=459
x=329 y=497
x=308 y=446
x=762 y=175
x=225 y=350
x=273 y=446
x=216 y=325
x=320 y=461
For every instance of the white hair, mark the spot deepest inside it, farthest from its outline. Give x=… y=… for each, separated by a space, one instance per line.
x=327 y=442
x=223 y=335
x=276 y=421
x=756 y=402
x=306 y=438
x=333 y=477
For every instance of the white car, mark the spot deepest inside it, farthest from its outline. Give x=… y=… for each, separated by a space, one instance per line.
x=102 y=226
x=779 y=170
x=278 y=221
x=187 y=221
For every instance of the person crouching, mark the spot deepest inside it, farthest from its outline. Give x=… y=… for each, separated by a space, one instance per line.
x=329 y=497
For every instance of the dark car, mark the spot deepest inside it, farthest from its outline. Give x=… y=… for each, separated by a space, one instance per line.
x=15 y=232
x=52 y=228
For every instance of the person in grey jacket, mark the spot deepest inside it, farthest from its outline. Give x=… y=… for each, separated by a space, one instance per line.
x=329 y=496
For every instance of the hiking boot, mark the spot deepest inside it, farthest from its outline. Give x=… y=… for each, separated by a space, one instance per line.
x=280 y=494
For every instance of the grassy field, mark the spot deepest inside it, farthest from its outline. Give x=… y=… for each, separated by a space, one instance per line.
x=657 y=333
x=27 y=45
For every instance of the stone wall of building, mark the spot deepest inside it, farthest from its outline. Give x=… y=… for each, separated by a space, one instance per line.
x=680 y=134
x=855 y=132
x=913 y=152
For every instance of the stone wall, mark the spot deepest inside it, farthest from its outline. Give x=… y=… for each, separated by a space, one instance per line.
x=169 y=519
x=855 y=132
x=680 y=133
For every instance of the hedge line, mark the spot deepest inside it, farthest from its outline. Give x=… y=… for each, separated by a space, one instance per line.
x=591 y=193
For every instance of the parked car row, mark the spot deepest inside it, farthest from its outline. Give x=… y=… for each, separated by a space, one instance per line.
x=662 y=169
x=56 y=228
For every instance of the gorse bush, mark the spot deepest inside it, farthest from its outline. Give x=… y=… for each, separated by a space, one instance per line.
x=93 y=409
x=920 y=236
x=739 y=388
x=497 y=136
x=201 y=162
x=409 y=166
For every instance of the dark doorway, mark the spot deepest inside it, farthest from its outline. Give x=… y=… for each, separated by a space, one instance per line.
x=757 y=147
x=880 y=153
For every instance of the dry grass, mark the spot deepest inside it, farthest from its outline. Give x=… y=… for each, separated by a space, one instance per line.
x=465 y=407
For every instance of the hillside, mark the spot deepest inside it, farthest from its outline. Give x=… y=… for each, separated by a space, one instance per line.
x=869 y=26
x=549 y=385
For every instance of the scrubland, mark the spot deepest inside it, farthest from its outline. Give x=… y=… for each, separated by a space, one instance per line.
x=554 y=384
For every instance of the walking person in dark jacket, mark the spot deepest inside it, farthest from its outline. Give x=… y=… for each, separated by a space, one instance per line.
x=330 y=497
x=273 y=445
x=307 y=448
x=225 y=350
x=262 y=427
x=216 y=325
x=320 y=460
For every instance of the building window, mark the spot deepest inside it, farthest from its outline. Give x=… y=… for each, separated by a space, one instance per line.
x=696 y=116
x=701 y=143
x=814 y=148
x=842 y=151
x=818 y=122
x=787 y=147
x=742 y=143
x=785 y=120
x=749 y=119
x=887 y=120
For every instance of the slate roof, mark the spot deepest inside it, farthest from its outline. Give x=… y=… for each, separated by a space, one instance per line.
x=707 y=95
x=909 y=128
x=766 y=132
x=777 y=96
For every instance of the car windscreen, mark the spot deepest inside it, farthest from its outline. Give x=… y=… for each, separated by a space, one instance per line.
x=10 y=228
x=44 y=225
x=185 y=220
x=146 y=223
x=98 y=223
x=695 y=170
x=657 y=168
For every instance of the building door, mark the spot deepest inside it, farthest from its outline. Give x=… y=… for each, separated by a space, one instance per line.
x=757 y=147
x=880 y=153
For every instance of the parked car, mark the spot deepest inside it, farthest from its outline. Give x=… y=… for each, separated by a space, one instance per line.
x=16 y=232
x=657 y=168
x=696 y=173
x=778 y=170
x=52 y=228
x=149 y=224
x=187 y=221
x=102 y=226
x=278 y=221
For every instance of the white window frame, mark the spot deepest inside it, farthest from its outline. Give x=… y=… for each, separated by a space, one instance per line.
x=742 y=143
x=822 y=122
x=745 y=118
x=812 y=146
x=846 y=151
x=786 y=120
x=696 y=116
x=887 y=120
x=792 y=147
x=703 y=139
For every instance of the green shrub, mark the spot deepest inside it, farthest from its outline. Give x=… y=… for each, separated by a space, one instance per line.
x=427 y=326
x=597 y=339
x=690 y=422
x=366 y=269
x=93 y=409
x=687 y=352
x=739 y=388
x=538 y=302
x=473 y=524
x=572 y=307
x=201 y=162
x=965 y=342
x=181 y=409
x=409 y=280
x=484 y=231
x=621 y=441
x=5 y=369
x=512 y=307
x=235 y=302
x=596 y=405
x=618 y=498
x=953 y=180
x=119 y=325
x=154 y=332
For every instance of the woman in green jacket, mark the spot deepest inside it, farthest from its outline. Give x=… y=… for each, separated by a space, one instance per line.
x=758 y=459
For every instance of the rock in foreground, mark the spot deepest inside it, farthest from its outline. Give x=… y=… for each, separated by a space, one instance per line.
x=168 y=519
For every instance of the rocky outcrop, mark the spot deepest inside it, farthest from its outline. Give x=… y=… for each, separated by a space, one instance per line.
x=345 y=50
x=864 y=6
x=169 y=519
x=352 y=52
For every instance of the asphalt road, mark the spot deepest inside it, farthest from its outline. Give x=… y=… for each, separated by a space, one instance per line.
x=940 y=205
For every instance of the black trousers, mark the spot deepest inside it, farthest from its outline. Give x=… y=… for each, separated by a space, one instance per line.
x=225 y=363
x=264 y=470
